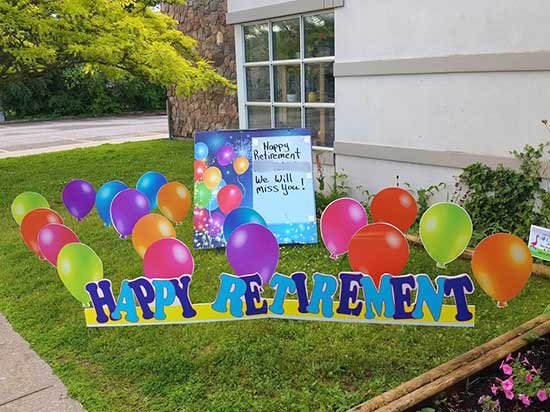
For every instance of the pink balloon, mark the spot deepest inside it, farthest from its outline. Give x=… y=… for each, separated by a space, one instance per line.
x=339 y=222
x=52 y=238
x=168 y=258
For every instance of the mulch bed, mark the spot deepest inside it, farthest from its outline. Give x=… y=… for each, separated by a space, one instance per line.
x=465 y=396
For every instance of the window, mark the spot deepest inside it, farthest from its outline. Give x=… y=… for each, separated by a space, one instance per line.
x=288 y=71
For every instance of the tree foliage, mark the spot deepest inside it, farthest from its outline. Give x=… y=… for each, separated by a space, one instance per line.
x=118 y=38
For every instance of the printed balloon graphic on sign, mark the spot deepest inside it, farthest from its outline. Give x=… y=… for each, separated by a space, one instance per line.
x=396 y=206
x=25 y=202
x=241 y=216
x=240 y=165
x=200 y=218
x=127 y=208
x=213 y=204
x=149 y=184
x=79 y=198
x=201 y=151
x=377 y=249
x=251 y=249
x=445 y=231
x=340 y=220
x=148 y=230
x=174 y=201
x=168 y=258
x=32 y=223
x=502 y=264
x=202 y=195
x=78 y=264
x=200 y=168
x=104 y=197
x=214 y=224
x=212 y=177
x=229 y=198
x=52 y=238
x=225 y=155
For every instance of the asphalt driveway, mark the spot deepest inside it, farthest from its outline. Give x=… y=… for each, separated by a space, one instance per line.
x=18 y=139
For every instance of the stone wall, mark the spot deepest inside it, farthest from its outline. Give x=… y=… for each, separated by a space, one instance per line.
x=204 y=20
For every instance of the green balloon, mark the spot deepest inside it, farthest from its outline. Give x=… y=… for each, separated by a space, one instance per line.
x=25 y=202
x=445 y=231
x=78 y=264
x=202 y=195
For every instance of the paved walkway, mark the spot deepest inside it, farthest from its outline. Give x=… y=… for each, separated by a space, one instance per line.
x=19 y=139
x=27 y=383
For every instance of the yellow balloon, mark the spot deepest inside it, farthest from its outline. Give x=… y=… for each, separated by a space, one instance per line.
x=212 y=177
x=240 y=165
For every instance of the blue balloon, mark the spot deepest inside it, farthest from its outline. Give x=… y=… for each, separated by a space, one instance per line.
x=104 y=197
x=213 y=205
x=201 y=151
x=241 y=216
x=149 y=184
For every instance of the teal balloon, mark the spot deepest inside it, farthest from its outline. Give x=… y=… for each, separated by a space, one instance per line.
x=104 y=197
x=213 y=205
x=77 y=265
x=241 y=216
x=149 y=184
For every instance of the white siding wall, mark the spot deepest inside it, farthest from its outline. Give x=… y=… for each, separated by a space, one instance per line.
x=482 y=113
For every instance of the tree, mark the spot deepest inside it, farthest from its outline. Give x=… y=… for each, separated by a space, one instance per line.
x=119 y=38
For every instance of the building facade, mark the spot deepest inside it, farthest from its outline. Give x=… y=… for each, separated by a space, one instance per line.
x=394 y=87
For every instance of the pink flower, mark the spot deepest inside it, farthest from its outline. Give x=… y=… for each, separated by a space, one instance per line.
x=541 y=395
x=508 y=384
x=507 y=369
x=528 y=378
x=509 y=394
x=524 y=399
x=494 y=389
x=534 y=370
x=526 y=361
x=509 y=358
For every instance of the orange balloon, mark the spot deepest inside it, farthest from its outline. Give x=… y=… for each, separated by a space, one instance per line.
x=212 y=177
x=148 y=230
x=174 y=201
x=502 y=265
x=396 y=206
x=32 y=223
x=240 y=165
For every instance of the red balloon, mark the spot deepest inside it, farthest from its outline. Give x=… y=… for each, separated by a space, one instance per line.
x=377 y=249
x=396 y=206
x=200 y=168
x=33 y=222
x=52 y=238
x=229 y=198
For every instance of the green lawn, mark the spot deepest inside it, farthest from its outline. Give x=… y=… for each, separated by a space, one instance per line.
x=263 y=365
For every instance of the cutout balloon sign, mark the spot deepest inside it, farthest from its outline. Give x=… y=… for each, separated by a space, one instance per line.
x=254 y=170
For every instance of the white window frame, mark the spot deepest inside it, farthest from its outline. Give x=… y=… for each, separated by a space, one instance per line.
x=242 y=65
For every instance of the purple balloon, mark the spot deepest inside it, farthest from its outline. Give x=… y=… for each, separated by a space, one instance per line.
x=127 y=208
x=225 y=155
x=79 y=198
x=252 y=248
x=214 y=224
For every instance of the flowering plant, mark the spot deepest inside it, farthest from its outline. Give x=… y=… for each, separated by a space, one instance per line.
x=522 y=383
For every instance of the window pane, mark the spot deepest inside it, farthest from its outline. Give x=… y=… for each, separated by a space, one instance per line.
x=287 y=83
x=319 y=83
x=256 y=43
x=288 y=117
x=259 y=117
x=321 y=122
x=319 y=35
x=286 y=39
x=257 y=84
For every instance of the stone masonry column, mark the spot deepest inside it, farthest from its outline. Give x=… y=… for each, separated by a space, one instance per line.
x=204 y=20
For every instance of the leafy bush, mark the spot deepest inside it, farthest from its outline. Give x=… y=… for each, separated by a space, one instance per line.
x=503 y=199
x=73 y=92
